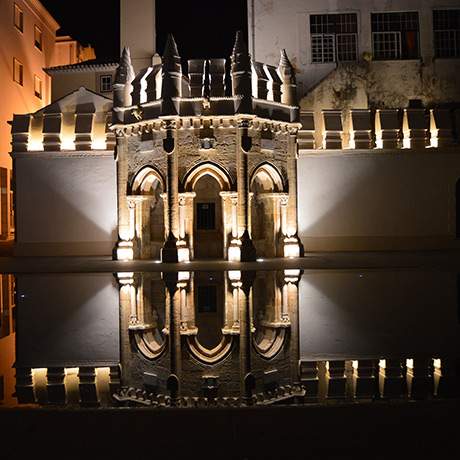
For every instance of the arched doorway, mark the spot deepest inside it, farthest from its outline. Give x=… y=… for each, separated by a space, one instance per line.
x=267 y=191
x=148 y=187
x=207 y=181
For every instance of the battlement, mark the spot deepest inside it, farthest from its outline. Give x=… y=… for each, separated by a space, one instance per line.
x=408 y=128
x=211 y=87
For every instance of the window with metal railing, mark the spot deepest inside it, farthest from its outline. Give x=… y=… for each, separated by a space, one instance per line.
x=334 y=37
x=446 y=30
x=395 y=35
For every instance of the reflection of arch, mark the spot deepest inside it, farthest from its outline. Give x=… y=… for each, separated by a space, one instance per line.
x=269 y=176
x=271 y=342
x=210 y=356
x=200 y=170
x=150 y=343
x=144 y=179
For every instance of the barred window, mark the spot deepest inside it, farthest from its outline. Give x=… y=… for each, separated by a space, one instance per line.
x=395 y=35
x=334 y=37
x=446 y=29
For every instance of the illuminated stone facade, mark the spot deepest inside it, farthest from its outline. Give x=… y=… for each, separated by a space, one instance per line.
x=201 y=168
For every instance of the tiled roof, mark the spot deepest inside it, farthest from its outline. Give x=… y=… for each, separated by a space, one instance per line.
x=87 y=66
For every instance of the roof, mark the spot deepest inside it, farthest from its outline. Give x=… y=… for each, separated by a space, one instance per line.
x=86 y=66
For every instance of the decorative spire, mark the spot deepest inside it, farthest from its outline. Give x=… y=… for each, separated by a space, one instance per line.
x=287 y=74
x=241 y=74
x=123 y=78
x=171 y=87
x=284 y=60
x=125 y=72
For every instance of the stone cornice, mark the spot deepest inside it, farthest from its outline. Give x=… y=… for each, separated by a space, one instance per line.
x=63 y=154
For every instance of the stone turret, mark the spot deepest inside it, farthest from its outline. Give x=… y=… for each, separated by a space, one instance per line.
x=172 y=77
x=287 y=75
x=124 y=76
x=241 y=74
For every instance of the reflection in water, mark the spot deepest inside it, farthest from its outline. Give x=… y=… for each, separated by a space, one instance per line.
x=7 y=338
x=229 y=338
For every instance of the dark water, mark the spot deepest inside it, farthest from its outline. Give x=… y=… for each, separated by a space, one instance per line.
x=226 y=339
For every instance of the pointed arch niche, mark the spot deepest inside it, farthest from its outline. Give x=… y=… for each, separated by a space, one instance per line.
x=268 y=210
x=146 y=203
x=209 y=185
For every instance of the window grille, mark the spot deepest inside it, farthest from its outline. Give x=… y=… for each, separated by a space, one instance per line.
x=446 y=30
x=334 y=37
x=395 y=35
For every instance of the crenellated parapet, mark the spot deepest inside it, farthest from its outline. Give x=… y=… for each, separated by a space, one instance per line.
x=407 y=129
x=163 y=90
x=73 y=125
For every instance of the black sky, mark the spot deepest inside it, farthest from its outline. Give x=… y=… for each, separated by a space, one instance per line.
x=201 y=28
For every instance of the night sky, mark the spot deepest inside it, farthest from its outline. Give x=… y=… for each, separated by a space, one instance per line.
x=202 y=28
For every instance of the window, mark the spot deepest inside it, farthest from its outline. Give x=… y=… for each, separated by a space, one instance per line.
x=37 y=87
x=395 y=35
x=205 y=216
x=105 y=83
x=334 y=37
x=18 y=72
x=38 y=37
x=446 y=29
x=18 y=18
x=207 y=299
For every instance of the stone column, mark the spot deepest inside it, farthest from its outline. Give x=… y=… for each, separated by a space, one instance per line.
x=52 y=123
x=290 y=317
x=175 y=364
x=169 y=252
x=367 y=379
x=244 y=300
x=125 y=244
x=441 y=128
x=244 y=143
x=292 y=240
x=361 y=136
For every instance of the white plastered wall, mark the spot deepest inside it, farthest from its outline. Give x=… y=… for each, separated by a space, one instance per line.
x=378 y=200
x=66 y=205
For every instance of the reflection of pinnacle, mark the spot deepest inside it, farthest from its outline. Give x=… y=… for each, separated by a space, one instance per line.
x=170 y=48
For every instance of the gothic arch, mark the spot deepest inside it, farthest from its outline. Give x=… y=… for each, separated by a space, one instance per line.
x=150 y=343
x=214 y=170
x=268 y=173
x=143 y=180
x=207 y=356
x=270 y=342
